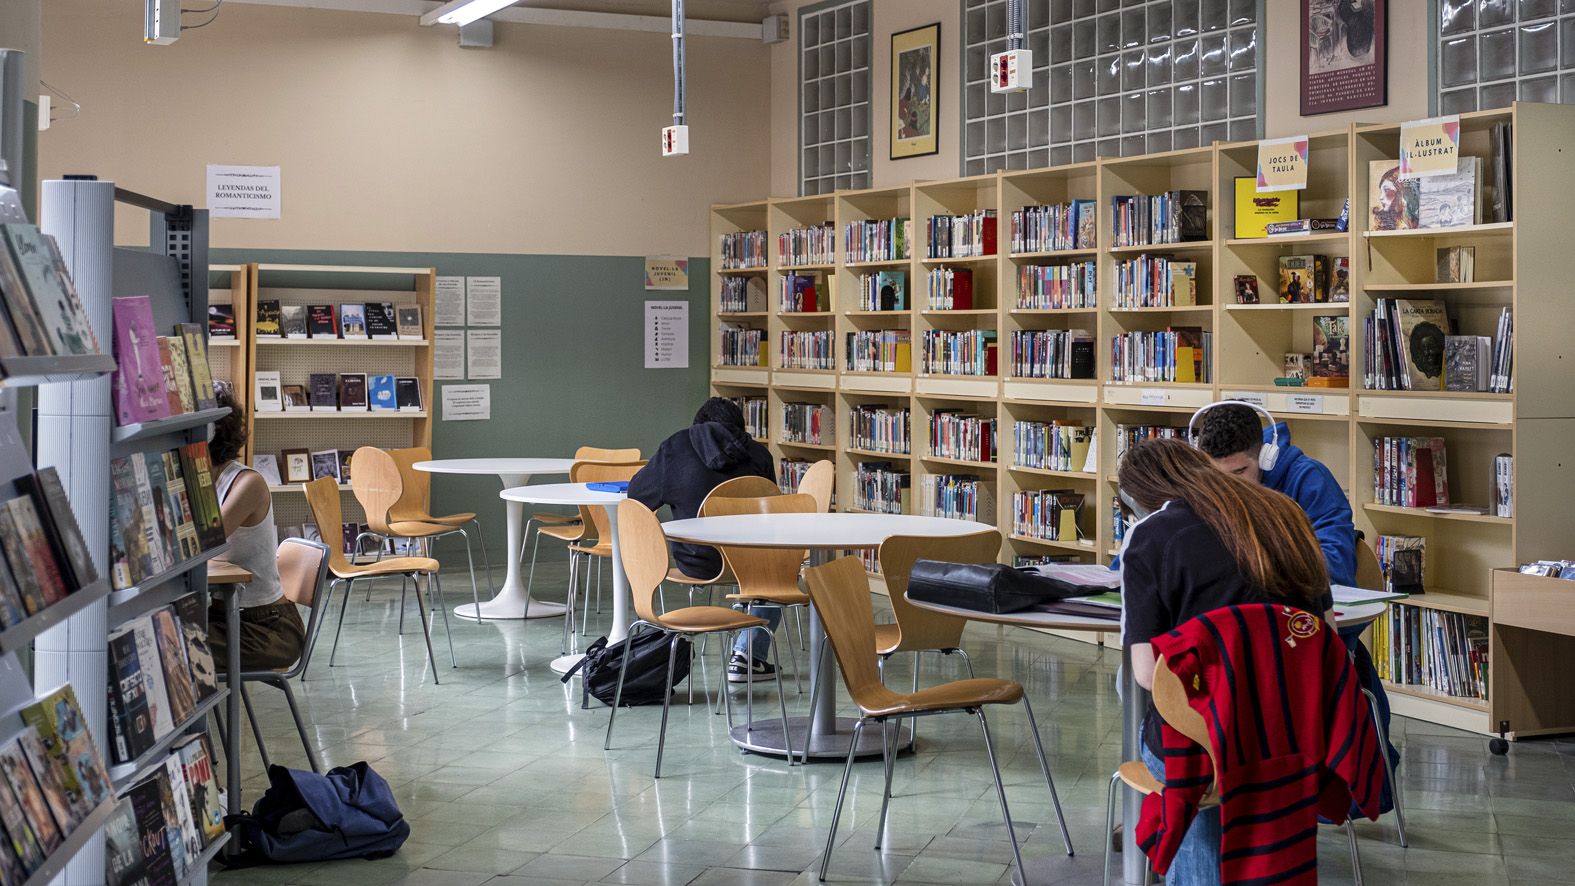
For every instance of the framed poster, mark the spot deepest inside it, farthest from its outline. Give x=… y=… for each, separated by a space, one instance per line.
x=915 y=67
x=1344 y=55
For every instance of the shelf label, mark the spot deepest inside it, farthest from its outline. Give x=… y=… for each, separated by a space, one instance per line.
x=1258 y=400
x=1305 y=402
x=244 y=191
x=1282 y=164
x=1429 y=147
x=1154 y=397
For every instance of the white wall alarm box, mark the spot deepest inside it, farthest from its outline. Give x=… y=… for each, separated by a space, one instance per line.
x=675 y=141
x=1012 y=71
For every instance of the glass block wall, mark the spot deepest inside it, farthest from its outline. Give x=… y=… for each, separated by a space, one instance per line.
x=834 y=96
x=1493 y=52
x=1112 y=78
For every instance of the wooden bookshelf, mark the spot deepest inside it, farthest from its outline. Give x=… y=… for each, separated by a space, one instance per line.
x=1516 y=267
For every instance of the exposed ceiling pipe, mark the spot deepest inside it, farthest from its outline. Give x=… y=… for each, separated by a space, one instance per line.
x=1012 y=70
x=675 y=138
x=1014 y=24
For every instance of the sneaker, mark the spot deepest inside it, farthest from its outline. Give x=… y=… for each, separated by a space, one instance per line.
x=743 y=670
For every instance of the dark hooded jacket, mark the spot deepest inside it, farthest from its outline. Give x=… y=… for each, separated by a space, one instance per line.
x=690 y=463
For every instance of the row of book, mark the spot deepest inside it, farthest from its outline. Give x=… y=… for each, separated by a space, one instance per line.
x=880 y=350
x=299 y=465
x=1119 y=522
x=164 y=822
x=879 y=428
x=1052 y=353
x=1056 y=287
x=42 y=316
x=1445 y=651
x=1176 y=354
x=743 y=249
x=808 y=423
x=880 y=487
x=950 y=289
x=1402 y=560
x=807 y=349
x=963 y=436
x=755 y=410
x=156 y=376
x=798 y=294
x=957 y=497
x=160 y=670
x=1171 y=217
x=961 y=236
x=883 y=239
x=1054 y=227
x=1410 y=472
x=164 y=510
x=51 y=780
x=1435 y=201
x=969 y=352
x=741 y=346
x=790 y=473
x=339 y=392
x=813 y=245
x=1049 y=514
x=379 y=321
x=45 y=555
x=742 y=295
x=1052 y=445
x=1156 y=281
x=1128 y=436
x=883 y=291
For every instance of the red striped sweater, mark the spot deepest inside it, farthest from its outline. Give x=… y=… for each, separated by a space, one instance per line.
x=1294 y=740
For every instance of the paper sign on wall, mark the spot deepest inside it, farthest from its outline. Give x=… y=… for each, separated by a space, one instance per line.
x=243 y=191
x=666 y=335
x=484 y=357
x=1282 y=164
x=448 y=354
x=1429 y=147
x=467 y=402
x=484 y=301
x=666 y=272
x=450 y=299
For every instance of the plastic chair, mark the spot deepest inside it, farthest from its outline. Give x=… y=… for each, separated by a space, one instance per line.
x=841 y=592
x=601 y=547
x=568 y=528
x=303 y=575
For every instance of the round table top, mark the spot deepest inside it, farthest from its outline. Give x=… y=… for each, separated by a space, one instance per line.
x=1344 y=617
x=813 y=530
x=561 y=494
x=495 y=466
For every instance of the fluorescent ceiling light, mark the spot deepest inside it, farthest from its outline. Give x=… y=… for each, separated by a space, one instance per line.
x=463 y=12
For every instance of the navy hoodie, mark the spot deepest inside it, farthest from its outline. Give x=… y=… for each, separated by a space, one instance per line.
x=1312 y=485
x=689 y=464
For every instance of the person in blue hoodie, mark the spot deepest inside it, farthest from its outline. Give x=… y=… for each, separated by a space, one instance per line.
x=685 y=468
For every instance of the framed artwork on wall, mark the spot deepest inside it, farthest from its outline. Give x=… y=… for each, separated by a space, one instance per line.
x=1344 y=55
x=915 y=91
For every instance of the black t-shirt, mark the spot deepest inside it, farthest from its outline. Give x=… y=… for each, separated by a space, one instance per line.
x=1174 y=569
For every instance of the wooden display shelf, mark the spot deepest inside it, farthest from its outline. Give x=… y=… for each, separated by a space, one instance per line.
x=932 y=261
x=742 y=315
x=789 y=269
x=963 y=312
x=875 y=453
x=1168 y=309
x=223 y=343
x=821 y=447
x=752 y=269
x=1415 y=691
x=1492 y=229
x=340 y=413
x=325 y=342
x=1184 y=246
x=961 y=462
x=902 y=313
x=1284 y=240
x=1439 y=287
x=1425 y=514
x=1048 y=312
x=1054 y=253
x=1317 y=307
x=880 y=263
x=1048 y=472
x=1077 y=546
x=1448 y=601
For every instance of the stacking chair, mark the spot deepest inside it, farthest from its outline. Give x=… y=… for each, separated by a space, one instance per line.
x=817 y=482
x=737 y=487
x=585 y=550
x=764 y=576
x=415 y=506
x=303 y=575
x=322 y=497
x=643 y=549
x=841 y=592
x=1170 y=699
x=568 y=528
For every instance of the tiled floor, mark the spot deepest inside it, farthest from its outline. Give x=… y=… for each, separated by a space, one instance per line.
x=505 y=782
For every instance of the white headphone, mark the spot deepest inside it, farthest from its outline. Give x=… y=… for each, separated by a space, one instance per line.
x=1270 y=453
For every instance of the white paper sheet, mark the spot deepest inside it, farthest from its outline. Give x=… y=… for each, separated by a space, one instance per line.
x=484 y=357
x=450 y=297
x=666 y=335
x=467 y=402
x=448 y=354
x=484 y=301
x=243 y=191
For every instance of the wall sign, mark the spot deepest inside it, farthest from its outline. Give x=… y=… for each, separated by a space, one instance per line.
x=467 y=402
x=1344 y=55
x=243 y=191
x=666 y=335
x=666 y=272
x=450 y=302
x=1429 y=147
x=484 y=301
x=1282 y=164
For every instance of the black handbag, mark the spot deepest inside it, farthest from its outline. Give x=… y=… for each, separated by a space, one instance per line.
x=647 y=680
x=984 y=587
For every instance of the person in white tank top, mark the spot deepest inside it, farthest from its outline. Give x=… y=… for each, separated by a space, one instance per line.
x=272 y=634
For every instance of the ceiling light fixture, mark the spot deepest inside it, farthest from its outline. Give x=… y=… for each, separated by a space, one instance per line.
x=463 y=12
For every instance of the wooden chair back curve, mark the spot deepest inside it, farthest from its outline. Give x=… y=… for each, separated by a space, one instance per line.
x=841 y=592
x=416 y=504
x=302 y=565
x=601 y=472
x=921 y=629
x=742 y=487
x=760 y=570
x=322 y=498
x=818 y=482
x=1170 y=700
x=612 y=456
x=643 y=548
x=377 y=486
x=1369 y=574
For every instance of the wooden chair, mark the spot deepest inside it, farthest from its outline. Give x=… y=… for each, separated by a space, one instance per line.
x=818 y=482
x=586 y=550
x=1170 y=700
x=765 y=577
x=568 y=528
x=643 y=549
x=303 y=576
x=841 y=593
x=415 y=506
x=737 y=487
x=322 y=497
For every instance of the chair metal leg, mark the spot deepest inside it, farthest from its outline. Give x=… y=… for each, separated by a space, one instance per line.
x=667 y=702
x=426 y=632
x=568 y=609
x=311 y=642
x=436 y=584
x=798 y=683
x=1110 y=824
x=966 y=660
x=888 y=753
x=787 y=734
x=404 y=586
x=349 y=587
x=300 y=725
x=618 y=692
x=798 y=622
x=486 y=561
x=913 y=722
x=1000 y=790
x=475 y=592
x=1356 y=852
x=599 y=565
x=585 y=614
x=1389 y=767
x=727 y=688
x=1044 y=764
x=836 y=813
x=251 y=717
x=814 y=697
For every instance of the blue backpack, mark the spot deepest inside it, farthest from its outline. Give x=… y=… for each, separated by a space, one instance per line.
x=349 y=812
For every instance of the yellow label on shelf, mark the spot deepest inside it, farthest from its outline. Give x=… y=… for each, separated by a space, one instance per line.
x=1282 y=164
x=1429 y=147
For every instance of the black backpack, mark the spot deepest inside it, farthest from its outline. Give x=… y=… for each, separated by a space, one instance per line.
x=647 y=680
x=347 y=812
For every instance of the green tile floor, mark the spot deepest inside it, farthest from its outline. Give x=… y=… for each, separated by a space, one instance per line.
x=505 y=782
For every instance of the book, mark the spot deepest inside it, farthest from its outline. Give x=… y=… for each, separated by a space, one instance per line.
x=352 y=321
x=381 y=323
x=1296 y=365
x=267 y=464
x=221 y=321
x=1456 y=264
x=172 y=655
x=152 y=831
x=124 y=863
x=325 y=463
x=1340 y=279
x=409 y=322
x=891 y=289
x=295 y=399
x=199 y=656
x=1503 y=485
x=1301 y=226
x=139 y=375
x=197 y=466
x=344 y=465
x=320 y=322
x=197 y=364
x=185 y=395
x=1392 y=202
x=1500 y=167
x=202 y=787
x=69 y=744
x=1467 y=362
x=128 y=555
x=380 y=393
x=297 y=466
x=154 y=683
x=268 y=323
x=187 y=543
x=1331 y=347
x=269 y=396
x=1255 y=211
x=54 y=298
x=29 y=794
x=24 y=841
x=172 y=399
x=27 y=332
x=1401 y=560
x=60 y=802
x=323 y=391
x=19 y=550
x=12 y=609
x=1246 y=286
x=49 y=497
x=185 y=837
x=1303 y=279
x=352 y=391
x=292 y=321
x=162 y=521
x=1452 y=200
x=407 y=393
x=1183 y=283
x=1423 y=327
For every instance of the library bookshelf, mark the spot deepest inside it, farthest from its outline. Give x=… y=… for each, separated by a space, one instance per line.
x=1517 y=267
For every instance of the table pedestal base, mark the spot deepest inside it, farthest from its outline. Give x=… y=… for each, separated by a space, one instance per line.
x=765 y=737
x=563 y=663
x=505 y=607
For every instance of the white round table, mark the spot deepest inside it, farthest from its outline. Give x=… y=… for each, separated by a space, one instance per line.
x=581 y=495
x=820 y=534
x=511 y=600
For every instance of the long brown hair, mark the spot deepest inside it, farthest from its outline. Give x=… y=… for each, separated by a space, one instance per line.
x=1267 y=534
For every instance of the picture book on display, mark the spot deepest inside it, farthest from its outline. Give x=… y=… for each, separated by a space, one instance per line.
x=409 y=322
x=19 y=777
x=221 y=321
x=292 y=321
x=187 y=543
x=269 y=396
x=323 y=391
x=152 y=830
x=1340 y=279
x=1467 y=362
x=51 y=781
x=1332 y=349
x=36 y=573
x=381 y=322
x=202 y=786
x=268 y=322
x=154 y=683
x=1246 y=287
x=185 y=838
x=138 y=384
x=124 y=863
x=1456 y=264
x=130 y=717
x=42 y=269
x=189 y=611
x=49 y=496
x=172 y=397
x=381 y=392
x=297 y=466
x=407 y=391
x=325 y=463
x=184 y=393
x=352 y=321
x=1438 y=201
x=320 y=321
x=24 y=840
x=69 y=747
x=197 y=362
x=1303 y=279
x=1255 y=211
x=295 y=399
x=352 y=391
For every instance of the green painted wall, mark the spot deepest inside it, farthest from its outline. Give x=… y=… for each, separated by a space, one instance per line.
x=573 y=362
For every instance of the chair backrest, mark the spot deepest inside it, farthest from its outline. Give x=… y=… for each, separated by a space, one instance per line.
x=818 y=482
x=841 y=592
x=303 y=574
x=1369 y=574
x=322 y=498
x=416 y=503
x=761 y=569
x=377 y=486
x=1170 y=700
x=919 y=628
x=615 y=456
x=743 y=487
x=643 y=548
x=601 y=472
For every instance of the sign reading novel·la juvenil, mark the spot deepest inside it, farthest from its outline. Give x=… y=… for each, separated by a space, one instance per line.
x=243 y=191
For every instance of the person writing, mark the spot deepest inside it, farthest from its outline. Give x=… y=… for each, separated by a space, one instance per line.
x=1204 y=540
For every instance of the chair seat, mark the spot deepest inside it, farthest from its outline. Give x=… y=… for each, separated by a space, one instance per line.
x=705 y=619
x=1137 y=777
x=566 y=532
x=392 y=566
x=677 y=577
x=451 y=520
x=548 y=518
x=780 y=598
x=887 y=638
x=418 y=528
x=598 y=549
x=945 y=697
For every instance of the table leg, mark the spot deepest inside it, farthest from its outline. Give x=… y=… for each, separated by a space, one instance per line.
x=510 y=601
x=232 y=704
x=620 y=582
x=1134 y=703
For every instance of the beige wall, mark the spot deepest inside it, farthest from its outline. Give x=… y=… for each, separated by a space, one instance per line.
x=390 y=137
